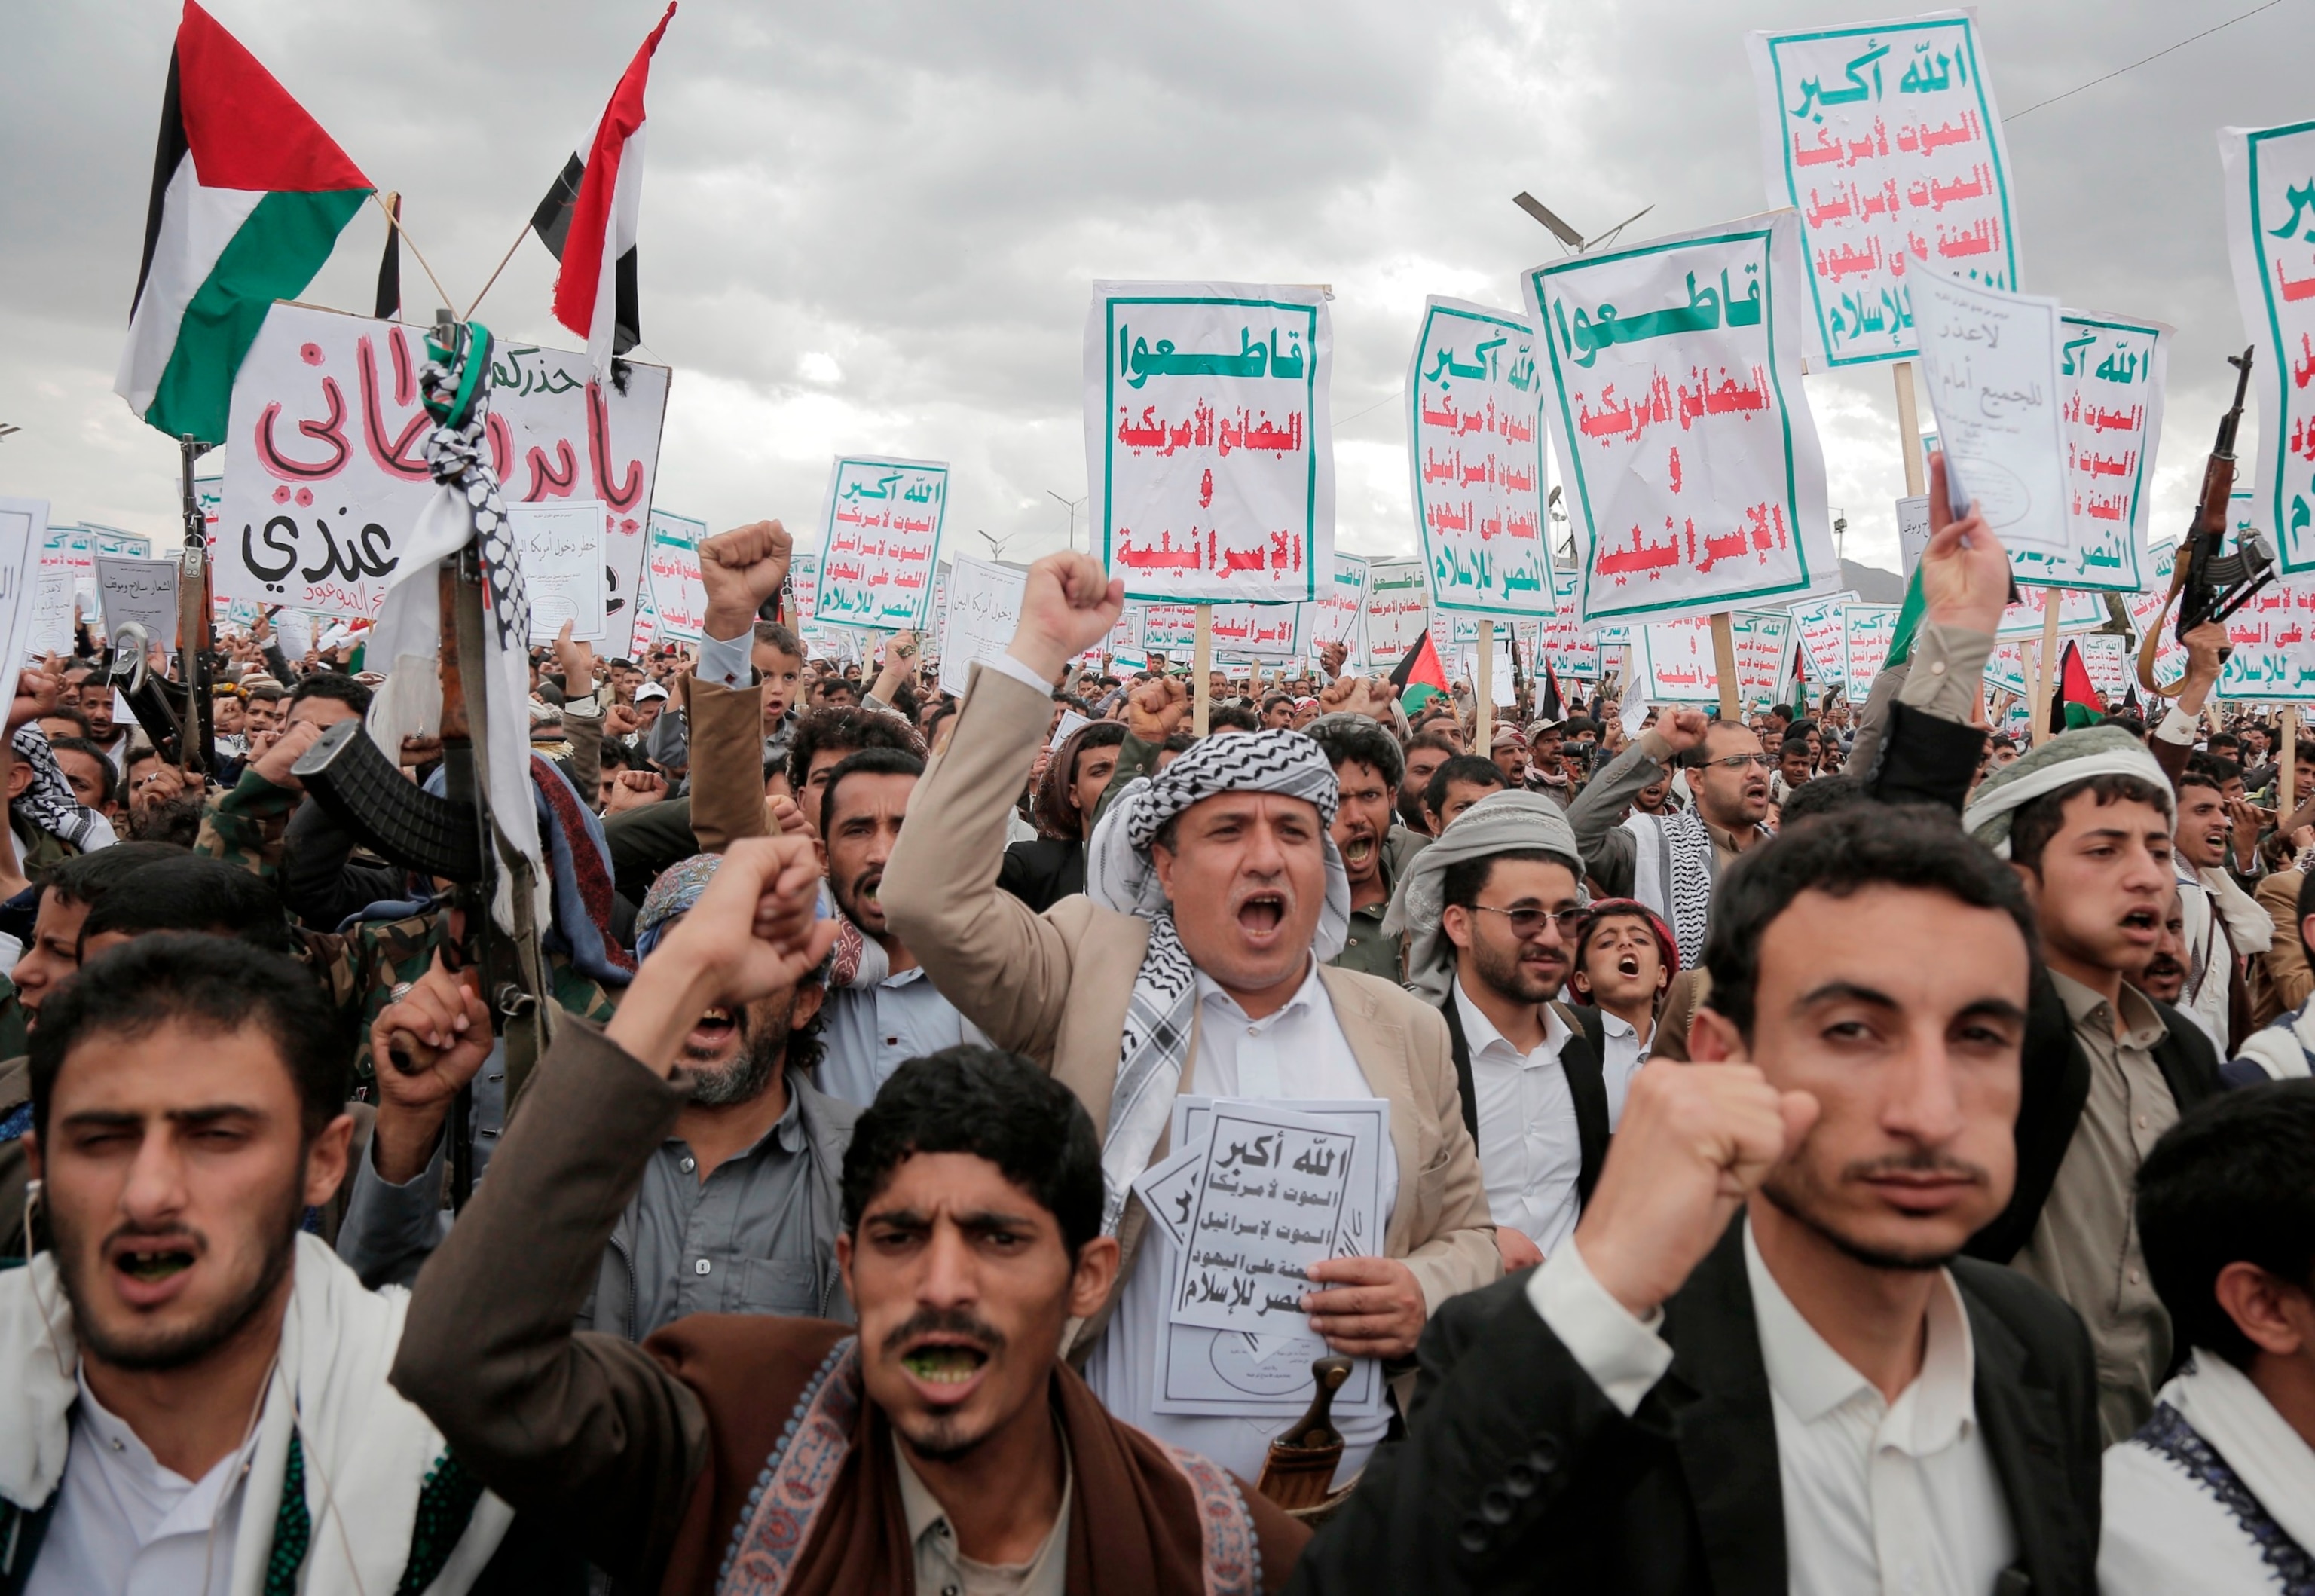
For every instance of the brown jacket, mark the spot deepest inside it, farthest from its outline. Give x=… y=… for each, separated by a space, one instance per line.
x=2280 y=979
x=641 y=1458
x=727 y=762
x=1055 y=986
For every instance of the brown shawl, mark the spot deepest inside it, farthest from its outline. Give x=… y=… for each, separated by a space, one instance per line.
x=799 y=1495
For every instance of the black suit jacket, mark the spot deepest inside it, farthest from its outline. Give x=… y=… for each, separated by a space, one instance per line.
x=1587 y=1084
x=1519 y=1473
x=1042 y=871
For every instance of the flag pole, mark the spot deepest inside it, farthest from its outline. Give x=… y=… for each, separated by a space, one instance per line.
x=502 y=266
x=1909 y=429
x=1201 y=670
x=2046 y=678
x=2286 y=799
x=1483 y=727
x=196 y=743
x=1724 y=663
x=394 y=222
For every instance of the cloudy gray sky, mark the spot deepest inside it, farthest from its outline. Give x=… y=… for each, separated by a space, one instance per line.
x=871 y=227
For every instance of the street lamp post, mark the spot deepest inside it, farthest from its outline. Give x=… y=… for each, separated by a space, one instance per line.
x=1071 y=506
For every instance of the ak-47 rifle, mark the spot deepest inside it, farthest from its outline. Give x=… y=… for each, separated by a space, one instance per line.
x=2207 y=585
x=449 y=836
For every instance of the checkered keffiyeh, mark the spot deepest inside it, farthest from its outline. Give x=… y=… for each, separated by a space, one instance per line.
x=1155 y=1042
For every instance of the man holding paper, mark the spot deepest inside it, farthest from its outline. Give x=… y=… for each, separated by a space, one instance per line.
x=1195 y=964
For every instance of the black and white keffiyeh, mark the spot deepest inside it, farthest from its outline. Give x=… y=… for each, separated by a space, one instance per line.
x=1161 y=1014
x=49 y=803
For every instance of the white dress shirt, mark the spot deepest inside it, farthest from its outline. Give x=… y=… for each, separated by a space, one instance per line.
x=1625 y=1053
x=1900 y=1498
x=1529 y=1151
x=1298 y=1052
x=124 y=1523
x=869 y=1032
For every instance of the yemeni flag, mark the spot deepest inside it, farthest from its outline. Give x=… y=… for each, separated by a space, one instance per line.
x=1553 y=708
x=249 y=197
x=1419 y=676
x=2075 y=703
x=588 y=220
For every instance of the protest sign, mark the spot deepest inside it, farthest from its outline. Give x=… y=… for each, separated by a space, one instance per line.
x=112 y=540
x=2005 y=667
x=878 y=539
x=644 y=632
x=1686 y=447
x=2146 y=608
x=1398 y=611
x=561 y=546
x=1885 y=139
x=802 y=587
x=1912 y=532
x=1866 y=631
x=1169 y=629
x=1677 y=663
x=23 y=534
x=1269 y=1203
x=1207 y=439
x=1475 y=427
x=1990 y=360
x=1265 y=633
x=2106 y=659
x=326 y=471
x=2270 y=189
x=72 y=550
x=1335 y=618
x=2272 y=645
x=142 y=593
x=53 y=609
x=2079 y=612
x=1818 y=622
x=2111 y=376
x=1560 y=638
x=678 y=597
x=984 y=610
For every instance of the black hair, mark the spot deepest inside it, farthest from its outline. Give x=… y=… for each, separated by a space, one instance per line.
x=66 y=712
x=1468 y=878
x=332 y=683
x=1801 y=728
x=210 y=984
x=867 y=762
x=2197 y=774
x=1271 y=701
x=995 y=1106
x=1234 y=715
x=2231 y=1182
x=115 y=789
x=2222 y=768
x=1895 y=845
x=2228 y=738
x=1366 y=741
x=189 y=892
x=1179 y=742
x=1462 y=768
x=87 y=878
x=2038 y=819
x=2001 y=739
x=1577 y=724
x=1698 y=756
x=850 y=728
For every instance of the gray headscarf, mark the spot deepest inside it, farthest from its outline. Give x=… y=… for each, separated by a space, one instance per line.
x=1500 y=823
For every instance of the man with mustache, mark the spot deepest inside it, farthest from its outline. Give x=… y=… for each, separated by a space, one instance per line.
x=735 y=1211
x=1759 y=1363
x=1367 y=766
x=1195 y=963
x=944 y=1446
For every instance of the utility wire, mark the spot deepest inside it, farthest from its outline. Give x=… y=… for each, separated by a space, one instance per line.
x=2134 y=65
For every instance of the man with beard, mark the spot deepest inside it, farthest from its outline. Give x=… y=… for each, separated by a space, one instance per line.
x=882 y=1005
x=735 y=1209
x=1759 y=1363
x=944 y=1448
x=1490 y=912
x=2223 y=924
x=194 y=1395
x=1425 y=753
x=2164 y=979
x=1366 y=761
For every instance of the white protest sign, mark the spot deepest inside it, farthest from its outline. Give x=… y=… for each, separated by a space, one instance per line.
x=1207 y=439
x=51 y=624
x=2079 y=612
x=802 y=586
x=1266 y=632
x=678 y=598
x=1866 y=631
x=293 y=629
x=1565 y=647
x=984 y=611
x=2112 y=373
x=2146 y=608
x=1885 y=139
x=1169 y=629
x=879 y=542
x=140 y=592
x=1912 y=532
x=1686 y=447
x=2270 y=187
x=23 y=534
x=2107 y=660
x=1334 y=618
x=2272 y=639
x=2005 y=667
x=561 y=546
x=1819 y=622
x=326 y=471
x=1991 y=360
x=1069 y=722
x=1678 y=663
x=1476 y=456
x=1398 y=611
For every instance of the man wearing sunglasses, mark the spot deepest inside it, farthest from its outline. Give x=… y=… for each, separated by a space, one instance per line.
x=1669 y=862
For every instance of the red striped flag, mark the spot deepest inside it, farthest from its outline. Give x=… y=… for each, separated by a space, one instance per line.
x=595 y=292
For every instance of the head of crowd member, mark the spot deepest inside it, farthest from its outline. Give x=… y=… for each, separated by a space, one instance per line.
x=2256 y=741
x=862 y=806
x=825 y=737
x=2163 y=976
x=734 y=1052
x=1456 y=786
x=1176 y=745
x=2225 y=745
x=1543 y=740
x=1508 y=749
x=2228 y=773
x=189 y=892
x=613 y=760
x=78 y=676
x=226 y=710
x=2204 y=828
x=1441 y=721
x=1656 y=798
x=971 y=1236
x=1580 y=730
x=267 y=706
x=68 y=891
x=88 y=773
x=326 y=698
x=1493 y=903
x=2000 y=748
x=1367 y=769
x=2226 y=1216
x=188 y=1108
x=649 y=702
x=1425 y=753
x=1879 y=961
x=834 y=692
x=2085 y=820
x=65 y=721
x=1625 y=958
x=163 y=806
x=1075 y=778
x=1797 y=755
x=98 y=703
x=1278 y=712
x=1227 y=720
x=1728 y=772
x=778 y=658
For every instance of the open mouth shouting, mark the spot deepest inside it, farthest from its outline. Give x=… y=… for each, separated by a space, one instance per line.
x=944 y=1354
x=149 y=1269
x=867 y=908
x=2142 y=926
x=1262 y=916
x=1627 y=965
x=1358 y=852
x=714 y=1034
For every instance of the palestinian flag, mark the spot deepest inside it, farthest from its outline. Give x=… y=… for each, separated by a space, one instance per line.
x=1419 y=676
x=1799 y=702
x=2075 y=703
x=249 y=197
x=588 y=220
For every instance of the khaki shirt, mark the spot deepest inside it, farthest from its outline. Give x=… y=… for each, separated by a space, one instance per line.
x=1366 y=949
x=942 y=1570
x=2085 y=1245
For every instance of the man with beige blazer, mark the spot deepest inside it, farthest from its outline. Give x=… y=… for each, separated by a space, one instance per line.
x=1195 y=963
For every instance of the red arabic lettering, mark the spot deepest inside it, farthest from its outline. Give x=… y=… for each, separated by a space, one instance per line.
x=629 y=492
x=330 y=432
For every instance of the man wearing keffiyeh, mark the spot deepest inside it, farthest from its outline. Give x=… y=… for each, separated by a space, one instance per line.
x=1195 y=963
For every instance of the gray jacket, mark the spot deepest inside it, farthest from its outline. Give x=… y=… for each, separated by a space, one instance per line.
x=390 y=1230
x=1597 y=815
